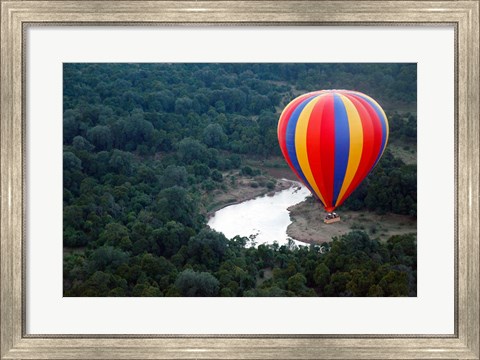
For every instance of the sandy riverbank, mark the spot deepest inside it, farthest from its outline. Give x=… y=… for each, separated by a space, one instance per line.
x=308 y=226
x=243 y=190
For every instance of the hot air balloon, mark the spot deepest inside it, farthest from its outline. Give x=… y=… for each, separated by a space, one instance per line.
x=332 y=139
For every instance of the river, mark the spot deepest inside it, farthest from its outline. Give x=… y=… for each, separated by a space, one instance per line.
x=264 y=219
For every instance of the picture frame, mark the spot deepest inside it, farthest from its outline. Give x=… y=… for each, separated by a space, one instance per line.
x=15 y=343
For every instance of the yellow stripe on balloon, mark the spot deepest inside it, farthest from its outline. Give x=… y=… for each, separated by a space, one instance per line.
x=301 y=144
x=356 y=145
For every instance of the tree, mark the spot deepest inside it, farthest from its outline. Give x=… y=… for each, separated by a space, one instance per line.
x=71 y=162
x=183 y=105
x=207 y=248
x=145 y=290
x=176 y=204
x=174 y=175
x=192 y=283
x=321 y=276
x=191 y=150
x=216 y=176
x=297 y=283
x=71 y=125
x=100 y=284
x=338 y=284
x=375 y=290
x=80 y=143
x=394 y=283
x=121 y=162
x=101 y=137
x=171 y=237
x=107 y=258
x=213 y=136
x=116 y=235
x=159 y=269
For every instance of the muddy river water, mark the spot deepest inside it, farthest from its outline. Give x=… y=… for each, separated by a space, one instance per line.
x=264 y=219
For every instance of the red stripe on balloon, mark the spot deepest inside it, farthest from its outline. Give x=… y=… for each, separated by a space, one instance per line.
x=327 y=153
x=377 y=133
x=368 y=146
x=314 y=145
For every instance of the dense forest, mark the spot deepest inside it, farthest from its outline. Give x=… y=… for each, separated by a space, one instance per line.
x=146 y=145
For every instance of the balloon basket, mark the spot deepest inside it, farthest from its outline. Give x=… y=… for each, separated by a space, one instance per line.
x=332 y=220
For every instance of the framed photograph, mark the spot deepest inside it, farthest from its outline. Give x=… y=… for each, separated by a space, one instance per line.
x=226 y=179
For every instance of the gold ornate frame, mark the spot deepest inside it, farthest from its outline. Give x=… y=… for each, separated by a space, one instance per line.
x=16 y=15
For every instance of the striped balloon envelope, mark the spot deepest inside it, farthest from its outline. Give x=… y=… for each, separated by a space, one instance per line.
x=332 y=139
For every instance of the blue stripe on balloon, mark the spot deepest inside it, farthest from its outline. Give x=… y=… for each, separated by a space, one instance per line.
x=290 y=140
x=342 y=145
x=383 y=122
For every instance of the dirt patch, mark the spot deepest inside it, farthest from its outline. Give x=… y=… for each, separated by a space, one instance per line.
x=241 y=189
x=308 y=226
x=236 y=188
x=281 y=173
x=267 y=274
x=275 y=167
x=406 y=153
